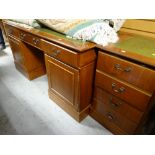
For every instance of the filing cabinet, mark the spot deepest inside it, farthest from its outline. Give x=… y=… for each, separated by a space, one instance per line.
x=123 y=93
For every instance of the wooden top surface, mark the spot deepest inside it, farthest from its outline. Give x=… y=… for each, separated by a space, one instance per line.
x=135 y=47
x=55 y=37
x=131 y=46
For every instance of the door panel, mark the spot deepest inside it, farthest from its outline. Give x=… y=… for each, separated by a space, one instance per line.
x=63 y=80
x=16 y=46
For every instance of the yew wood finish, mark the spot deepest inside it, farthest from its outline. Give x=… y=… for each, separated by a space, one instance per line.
x=72 y=86
x=124 y=85
x=124 y=93
x=122 y=90
x=70 y=65
x=52 y=36
x=27 y=59
x=127 y=71
x=126 y=77
x=103 y=98
x=70 y=57
x=116 y=118
x=129 y=55
x=144 y=27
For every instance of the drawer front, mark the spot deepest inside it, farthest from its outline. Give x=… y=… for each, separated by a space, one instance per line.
x=24 y=36
x=127 y=71
x=12 y=31
x=106 y=123
x=135 y=97
x=17 y=50
x=67 y=56
x=30 y=39
x=105 y=99
x=115 y=118
x=63 y=81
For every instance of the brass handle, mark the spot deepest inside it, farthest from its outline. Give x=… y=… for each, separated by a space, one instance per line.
x=128 y=69
x=22 y=35
x=110 y=117
x=55 y=53
x=35 y=41
x=118 y=67
x=115 y=105
x=117 y=90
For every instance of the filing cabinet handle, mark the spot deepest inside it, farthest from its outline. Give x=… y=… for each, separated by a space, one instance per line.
x=118 y=67
x=35 y=41
x=119 y=90
x=115 y=105
x=110 y=117
x=128 y=69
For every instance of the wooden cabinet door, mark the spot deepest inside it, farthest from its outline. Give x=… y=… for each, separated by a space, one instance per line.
x=63 y=81
x=16 y=46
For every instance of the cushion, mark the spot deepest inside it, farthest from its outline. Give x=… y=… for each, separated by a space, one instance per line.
x=29 y=22
x=97 y=31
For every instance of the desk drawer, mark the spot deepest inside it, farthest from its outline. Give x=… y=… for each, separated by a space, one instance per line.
x=112 y=117
x=30 y=39
x=127 y=71
x=103 y=99
x=12 y=31
x=62 y=54
x=126 y=92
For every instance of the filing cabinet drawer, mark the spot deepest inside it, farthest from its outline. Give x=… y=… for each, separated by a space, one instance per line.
x=115 y=118
x=62 y=54
x=106 y=123
x=105 y=99
x=124 y=91
x=137 y=75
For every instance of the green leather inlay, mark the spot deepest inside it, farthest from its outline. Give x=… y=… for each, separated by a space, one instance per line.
x=52 y=32
x=138 y=44
x=63 y=36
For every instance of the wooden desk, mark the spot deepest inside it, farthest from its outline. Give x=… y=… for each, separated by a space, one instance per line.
x=3 y=30
x=70 y=65
x=119 y=91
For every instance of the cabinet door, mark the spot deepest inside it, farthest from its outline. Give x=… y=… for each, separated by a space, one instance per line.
x=16 y=46
x=63 y=81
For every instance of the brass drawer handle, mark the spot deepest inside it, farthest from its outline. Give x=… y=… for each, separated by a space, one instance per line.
x=118 y=67
x=109 y=116
x=55 y=53
x=35 y=41
x=22 y=35
x=117 y=90
x=114 y=105
x=128 y=69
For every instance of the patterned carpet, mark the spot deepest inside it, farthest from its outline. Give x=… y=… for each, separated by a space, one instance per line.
x=5 y=126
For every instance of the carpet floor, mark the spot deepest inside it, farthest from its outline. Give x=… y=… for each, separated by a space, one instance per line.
x=26 y=109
